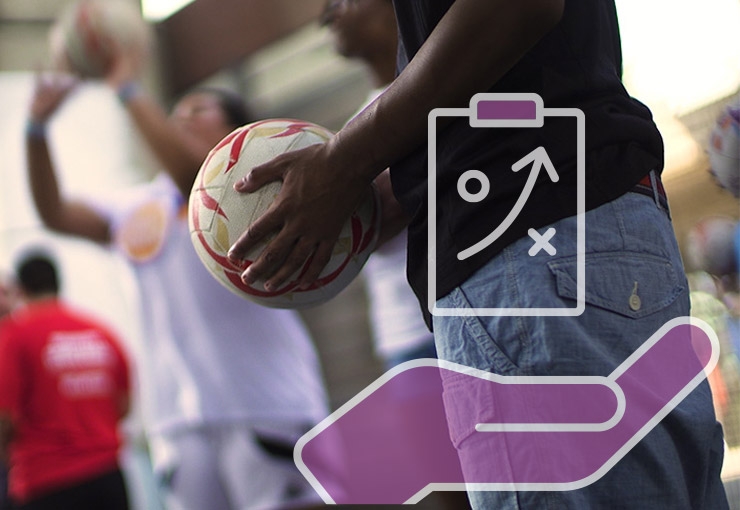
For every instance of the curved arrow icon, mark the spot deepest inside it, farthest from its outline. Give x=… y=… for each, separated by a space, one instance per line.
x=538 y=158
x=432 y=425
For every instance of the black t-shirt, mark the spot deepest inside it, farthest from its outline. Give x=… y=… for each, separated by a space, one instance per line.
x=577 y=65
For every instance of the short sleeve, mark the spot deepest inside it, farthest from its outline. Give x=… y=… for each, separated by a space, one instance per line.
x=114 y=207
x=140 y=217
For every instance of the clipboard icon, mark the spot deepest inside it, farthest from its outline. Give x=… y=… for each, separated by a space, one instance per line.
x=516 y=110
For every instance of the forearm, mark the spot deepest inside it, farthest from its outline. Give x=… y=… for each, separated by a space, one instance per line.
x=42 y=180
x=472 y=47
x=55 y=212
x=179 y=155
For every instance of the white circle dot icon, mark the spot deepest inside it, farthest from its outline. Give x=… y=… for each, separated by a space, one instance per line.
x=485 y=186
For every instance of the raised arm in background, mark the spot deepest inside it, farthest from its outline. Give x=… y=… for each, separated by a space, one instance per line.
x=56 y=211
x=178 y=151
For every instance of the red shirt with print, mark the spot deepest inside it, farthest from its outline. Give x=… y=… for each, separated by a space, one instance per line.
x=63 y=377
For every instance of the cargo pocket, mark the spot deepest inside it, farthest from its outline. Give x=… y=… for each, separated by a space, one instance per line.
x=465 y=405
x=631 y=284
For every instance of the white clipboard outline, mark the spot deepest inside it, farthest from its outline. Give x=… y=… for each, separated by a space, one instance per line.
x=533 y=116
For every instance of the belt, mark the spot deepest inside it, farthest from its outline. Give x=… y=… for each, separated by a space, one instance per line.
x=651 y=186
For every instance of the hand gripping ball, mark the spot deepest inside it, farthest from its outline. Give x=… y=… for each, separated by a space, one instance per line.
x=218 y=215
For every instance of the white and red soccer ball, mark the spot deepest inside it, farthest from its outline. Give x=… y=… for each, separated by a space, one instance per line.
x=218 y=215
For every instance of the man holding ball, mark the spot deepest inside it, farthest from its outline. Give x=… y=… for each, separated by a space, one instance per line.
x=567 y=52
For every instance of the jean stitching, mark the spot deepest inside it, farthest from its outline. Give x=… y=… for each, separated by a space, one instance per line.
x=485 y=344
x=522 y=333
x=619 y=216
x=654 y=186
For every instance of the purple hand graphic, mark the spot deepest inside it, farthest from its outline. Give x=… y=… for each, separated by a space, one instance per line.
x=392 y=442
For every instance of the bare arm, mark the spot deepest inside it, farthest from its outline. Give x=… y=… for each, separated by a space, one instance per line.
x=473 y=46
x=56 y=212
x=179 y=153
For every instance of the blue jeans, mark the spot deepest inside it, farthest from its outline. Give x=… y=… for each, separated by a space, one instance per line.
x=630 y=250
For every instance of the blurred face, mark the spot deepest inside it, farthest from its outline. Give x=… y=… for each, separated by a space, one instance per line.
x=354 y=24
x=200 y=115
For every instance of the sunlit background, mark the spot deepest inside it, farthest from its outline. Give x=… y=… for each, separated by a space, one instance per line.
x=680 y=55
x=155 y=10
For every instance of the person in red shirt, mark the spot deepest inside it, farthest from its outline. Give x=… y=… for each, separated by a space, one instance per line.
x=64 y=387
x=7 y=303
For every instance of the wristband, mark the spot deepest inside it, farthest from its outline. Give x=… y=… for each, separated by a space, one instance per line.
x=35 y=129
x=127 y=91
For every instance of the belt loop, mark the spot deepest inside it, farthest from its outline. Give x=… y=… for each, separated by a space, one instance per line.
x=654 y=185
x=651 y=186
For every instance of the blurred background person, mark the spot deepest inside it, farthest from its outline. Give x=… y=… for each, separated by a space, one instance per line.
x=712 y=250
x=64 y=388
x=712 y=247
x=227 y=386
x=8 y=298
x=724 y=149
x=715 y=242
x=725 y=379
x=366 y=30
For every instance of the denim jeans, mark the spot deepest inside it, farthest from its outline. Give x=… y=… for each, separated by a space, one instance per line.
x=630 y=250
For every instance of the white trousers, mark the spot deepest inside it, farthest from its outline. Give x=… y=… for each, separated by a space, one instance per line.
x=226 y=467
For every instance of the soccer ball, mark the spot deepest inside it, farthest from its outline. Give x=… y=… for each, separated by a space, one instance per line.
x=218 y=215
x=84 y=36
x=724 y=150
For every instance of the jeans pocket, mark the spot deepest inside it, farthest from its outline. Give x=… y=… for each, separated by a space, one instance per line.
x=489 y=343
x=631 y=284
x=466 y=405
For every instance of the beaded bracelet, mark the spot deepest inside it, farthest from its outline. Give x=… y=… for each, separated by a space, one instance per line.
x=35 y=129
x=127 y=91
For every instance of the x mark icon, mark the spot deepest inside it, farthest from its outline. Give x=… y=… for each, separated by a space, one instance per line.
x=542 y=242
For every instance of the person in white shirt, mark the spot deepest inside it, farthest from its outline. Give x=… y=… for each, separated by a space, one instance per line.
x=228 y=386
x=366 y=30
